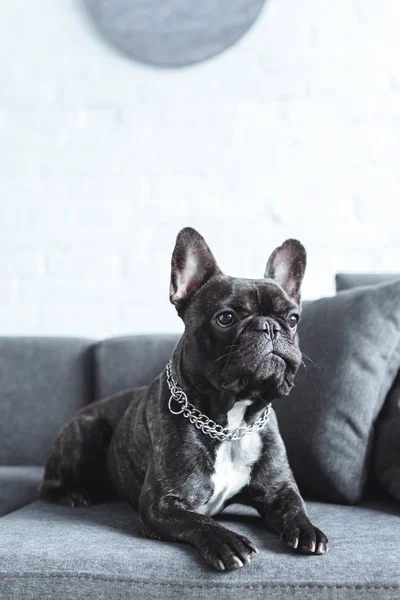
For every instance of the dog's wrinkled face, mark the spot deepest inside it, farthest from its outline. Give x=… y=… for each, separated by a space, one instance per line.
x=245 y=331
x=240 y=334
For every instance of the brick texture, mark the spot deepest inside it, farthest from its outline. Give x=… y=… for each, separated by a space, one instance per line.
x=294 y=132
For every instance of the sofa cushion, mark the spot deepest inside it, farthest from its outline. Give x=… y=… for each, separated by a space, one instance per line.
x=49 y=551
x=43 y=382
x=18 y=486
x=387 y=446
x=327 y=420
x=346 y=281
x=129 y=361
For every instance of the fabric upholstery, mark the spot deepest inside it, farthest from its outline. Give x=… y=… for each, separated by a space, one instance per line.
x=327 y=422
x=49 y=551
x=126 y=362
x=18 y=486
x=346 y=281
x=43 y=382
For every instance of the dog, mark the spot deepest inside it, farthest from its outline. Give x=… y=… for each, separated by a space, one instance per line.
x=203 y=434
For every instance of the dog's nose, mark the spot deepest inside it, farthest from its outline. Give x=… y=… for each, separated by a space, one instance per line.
x=272 y=330
x=270 y=327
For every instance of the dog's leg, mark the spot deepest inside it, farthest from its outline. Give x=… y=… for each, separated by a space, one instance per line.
x=167 y=519
x=274 y=493
x=284 y=511
x=76 y=471
x=170 y=518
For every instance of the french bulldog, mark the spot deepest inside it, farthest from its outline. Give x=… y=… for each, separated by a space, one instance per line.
x=203 y=434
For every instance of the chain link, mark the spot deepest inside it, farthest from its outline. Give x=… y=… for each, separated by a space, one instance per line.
x=202 y=422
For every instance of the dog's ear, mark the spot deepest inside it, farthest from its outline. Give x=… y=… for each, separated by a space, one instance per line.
x=286 y=266
x=192 y=265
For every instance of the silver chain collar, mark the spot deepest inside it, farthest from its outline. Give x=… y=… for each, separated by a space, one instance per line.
x=202 y=422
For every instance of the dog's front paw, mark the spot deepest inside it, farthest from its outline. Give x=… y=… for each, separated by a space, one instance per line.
x=225 y=550
x=303 y=537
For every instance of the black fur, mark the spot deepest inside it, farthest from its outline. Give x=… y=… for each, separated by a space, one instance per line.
x=133 y=445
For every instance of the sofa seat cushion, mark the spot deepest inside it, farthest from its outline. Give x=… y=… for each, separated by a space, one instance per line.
x=18 y=486
x=49 y=551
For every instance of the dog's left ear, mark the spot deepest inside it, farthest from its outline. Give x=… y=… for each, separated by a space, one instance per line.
x=286 y=266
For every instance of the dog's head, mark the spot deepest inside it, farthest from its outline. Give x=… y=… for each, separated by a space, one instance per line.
x=240 y=334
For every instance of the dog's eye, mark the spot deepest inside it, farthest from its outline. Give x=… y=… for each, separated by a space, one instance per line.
x=293 y=319
x=225 y=318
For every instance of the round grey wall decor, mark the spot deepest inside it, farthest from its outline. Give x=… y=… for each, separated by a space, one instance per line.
x=173 y=33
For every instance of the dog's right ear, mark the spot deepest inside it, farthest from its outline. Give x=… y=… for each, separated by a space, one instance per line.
x=192 y=265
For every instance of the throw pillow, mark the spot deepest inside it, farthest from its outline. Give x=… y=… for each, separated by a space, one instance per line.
x=387 y=443
x=327 y=422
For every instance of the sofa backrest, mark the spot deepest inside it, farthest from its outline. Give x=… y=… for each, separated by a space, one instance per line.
x=125 y=362
x=43 y=382
x=347 y=281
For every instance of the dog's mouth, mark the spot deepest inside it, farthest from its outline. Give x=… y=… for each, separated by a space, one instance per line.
x=277 y=355
x=256 y=376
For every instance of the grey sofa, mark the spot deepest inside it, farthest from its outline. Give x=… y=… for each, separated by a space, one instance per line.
x=49 y=551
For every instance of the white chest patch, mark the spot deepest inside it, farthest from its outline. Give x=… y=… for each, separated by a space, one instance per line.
x=233 y=463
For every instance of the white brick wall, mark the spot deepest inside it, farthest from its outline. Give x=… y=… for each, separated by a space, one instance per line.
x=295 y=132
